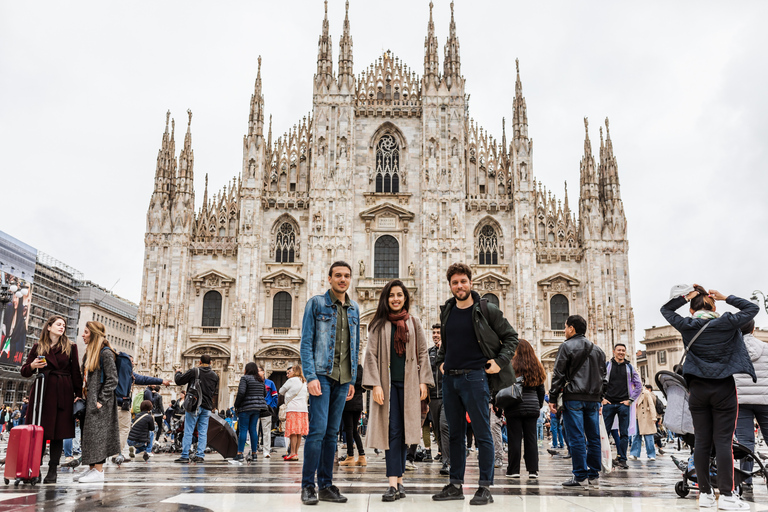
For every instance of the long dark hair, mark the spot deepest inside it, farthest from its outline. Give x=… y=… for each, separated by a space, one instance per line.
x=253 y=369
x=382 y=310
x=527 y=365
x=702 y=300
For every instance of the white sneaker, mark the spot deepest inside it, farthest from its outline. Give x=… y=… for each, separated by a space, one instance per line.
x=707 y=500
x=633 y=457
x=651 y=458
x=80 y=475
x=93 y=477
x=732 y=502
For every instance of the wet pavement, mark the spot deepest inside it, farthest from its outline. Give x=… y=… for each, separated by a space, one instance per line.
x=272 y=484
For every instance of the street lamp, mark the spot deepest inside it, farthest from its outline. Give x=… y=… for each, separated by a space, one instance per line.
x=765 y=299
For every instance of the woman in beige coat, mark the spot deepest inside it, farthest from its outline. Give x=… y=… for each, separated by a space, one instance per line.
x=646 y=425
x=397 y=371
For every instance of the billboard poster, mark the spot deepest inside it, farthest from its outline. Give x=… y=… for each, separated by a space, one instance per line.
x=15 y=317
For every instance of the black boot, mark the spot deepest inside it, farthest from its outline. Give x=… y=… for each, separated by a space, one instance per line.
x=50 y=478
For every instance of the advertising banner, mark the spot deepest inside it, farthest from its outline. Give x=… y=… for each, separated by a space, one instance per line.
x=15 y=316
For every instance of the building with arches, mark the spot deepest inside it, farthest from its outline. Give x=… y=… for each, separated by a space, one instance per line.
x=389 y=173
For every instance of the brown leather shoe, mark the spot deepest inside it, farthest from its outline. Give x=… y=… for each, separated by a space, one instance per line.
x=361 y=461
x=349 y=461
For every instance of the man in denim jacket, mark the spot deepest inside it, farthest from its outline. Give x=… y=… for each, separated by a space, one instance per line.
x=330 y=341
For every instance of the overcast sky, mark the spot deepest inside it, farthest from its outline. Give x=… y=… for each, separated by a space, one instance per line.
x=84 y=87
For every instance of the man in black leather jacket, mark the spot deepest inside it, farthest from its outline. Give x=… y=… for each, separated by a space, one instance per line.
x=580 y=377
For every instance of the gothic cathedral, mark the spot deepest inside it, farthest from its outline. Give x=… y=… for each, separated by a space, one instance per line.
x=389 y=173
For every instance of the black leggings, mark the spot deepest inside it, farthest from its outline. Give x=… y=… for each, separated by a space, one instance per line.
x=522 y=430
x=714 y=409
x=351 y=419
x=57 y=447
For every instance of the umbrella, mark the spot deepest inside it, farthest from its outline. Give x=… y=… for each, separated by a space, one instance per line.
x=221 y=436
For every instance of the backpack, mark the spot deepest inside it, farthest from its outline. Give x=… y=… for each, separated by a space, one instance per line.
x=192 y=400
x=138 y=397
x=124 y=375
x=659 y=406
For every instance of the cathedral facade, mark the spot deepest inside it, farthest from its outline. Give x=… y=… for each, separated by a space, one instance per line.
x=389 y=173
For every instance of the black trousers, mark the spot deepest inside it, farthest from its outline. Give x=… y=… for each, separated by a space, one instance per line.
x=350 y=420
x=522 y=430
x=57 y=447
x=714 y=409
x=436 y=411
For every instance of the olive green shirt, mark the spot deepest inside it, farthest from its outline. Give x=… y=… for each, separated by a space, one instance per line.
x=342 y=362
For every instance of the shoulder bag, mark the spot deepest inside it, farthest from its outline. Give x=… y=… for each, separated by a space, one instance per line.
x=678 y=368
x=510 y=396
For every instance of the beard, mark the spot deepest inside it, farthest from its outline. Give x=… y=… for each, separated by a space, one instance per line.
x=462 y=295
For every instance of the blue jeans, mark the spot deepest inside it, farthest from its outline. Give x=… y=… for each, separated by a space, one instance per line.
x=745 y=430
x=610 y=411
x=151 y=441
x=650 y=448
x=324 y=423
x=462 y=395
x=140 y=447
x=557 y=434
x=68 y=447
x=580 y=420
x=248 y=422
x=395 y=456
x=199 y=420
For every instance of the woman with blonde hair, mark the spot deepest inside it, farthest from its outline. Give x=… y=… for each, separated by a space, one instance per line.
x=56 y=358
x=296 y=412
x=398 y=373
x=100 y=430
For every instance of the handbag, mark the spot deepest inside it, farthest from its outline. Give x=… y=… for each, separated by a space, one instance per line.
x=78 y=410
x=511 y=395
x=678 y=368
x=192 y=400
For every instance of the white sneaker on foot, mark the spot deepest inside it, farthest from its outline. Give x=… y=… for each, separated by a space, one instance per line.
x=80 y=475
x=707 y=500
x=93 y=477
x=732 y=502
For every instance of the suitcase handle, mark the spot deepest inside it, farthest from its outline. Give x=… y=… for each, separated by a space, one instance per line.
x=37 y=413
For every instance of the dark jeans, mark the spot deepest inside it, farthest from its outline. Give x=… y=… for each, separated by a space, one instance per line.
x=583 y=433
x=522 y=430
x=436 y=411
x=395 y=456
x=462 y=395
x=745 y=430
x=248 y=422
x=714 y=409
x=445 y=435
x=324 y=422
x=350 y=420
x=610 y=411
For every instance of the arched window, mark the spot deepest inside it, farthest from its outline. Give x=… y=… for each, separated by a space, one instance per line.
x=386 y=263
x=387 y=165
x=281 y=310
x=285 y=244
x=492 y=299
x=488 y=246
x=212 y=309
x=558 y=312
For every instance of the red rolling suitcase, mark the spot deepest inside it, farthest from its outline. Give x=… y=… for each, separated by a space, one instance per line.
x=25 y=444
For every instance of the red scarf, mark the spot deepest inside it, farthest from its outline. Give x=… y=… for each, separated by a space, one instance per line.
x=401 y=332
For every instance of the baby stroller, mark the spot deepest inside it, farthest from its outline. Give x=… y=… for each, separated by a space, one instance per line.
x=678 y=420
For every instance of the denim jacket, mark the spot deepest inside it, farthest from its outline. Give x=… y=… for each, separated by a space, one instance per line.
x=318 y=336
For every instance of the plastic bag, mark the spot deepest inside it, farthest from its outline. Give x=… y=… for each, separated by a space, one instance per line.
x=605 y=447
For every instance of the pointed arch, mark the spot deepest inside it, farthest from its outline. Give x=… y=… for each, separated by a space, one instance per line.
x=489 y=241
x=285 y=239
x=387 y=148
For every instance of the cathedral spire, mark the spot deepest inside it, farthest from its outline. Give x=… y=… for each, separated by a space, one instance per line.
x=587 y=174
x=161 y=170
x=256 y=119
x=431 y=62
x=452 y=64
x=566 y=208
x=346 y=73
x=608 y=168
x=520 y=120
x=324 y=53
x=187 y=161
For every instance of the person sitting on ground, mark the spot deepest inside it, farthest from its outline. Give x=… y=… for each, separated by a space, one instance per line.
x=139 y=435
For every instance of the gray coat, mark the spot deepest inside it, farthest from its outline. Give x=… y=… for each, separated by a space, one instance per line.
x=100 y=436
x=754 y=392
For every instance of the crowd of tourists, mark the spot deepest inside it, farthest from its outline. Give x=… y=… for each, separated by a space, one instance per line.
x=477 y=381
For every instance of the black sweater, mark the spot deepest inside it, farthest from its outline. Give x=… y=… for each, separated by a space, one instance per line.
x=209 y=383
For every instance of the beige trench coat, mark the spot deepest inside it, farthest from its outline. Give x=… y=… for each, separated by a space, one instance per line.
x=376 y=373
x=646 y=413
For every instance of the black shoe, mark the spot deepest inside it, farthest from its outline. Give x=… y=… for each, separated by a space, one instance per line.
x=308 y=496
x=446 y=469
x=238 y=457
x=332 y=494
x=390 y=495
x=182 y=460
x=449 y=492
x=197 y=460
x=438 y=458
x=50 y=478
x=482 y=497
x=567 y=456
x=401 y=491
x=575 y=483
x=622 y=464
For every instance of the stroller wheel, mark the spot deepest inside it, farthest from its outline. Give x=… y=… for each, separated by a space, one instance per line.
x=681 y=489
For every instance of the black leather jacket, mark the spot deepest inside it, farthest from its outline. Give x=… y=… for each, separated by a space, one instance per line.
x=437 y=391
x=588 y=383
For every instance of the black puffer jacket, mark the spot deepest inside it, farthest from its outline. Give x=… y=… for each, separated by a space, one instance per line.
x=720 y=351
x=437 y=391
x=250 y=395
x=533 y=399
x=356 y=404
x=588 y=384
